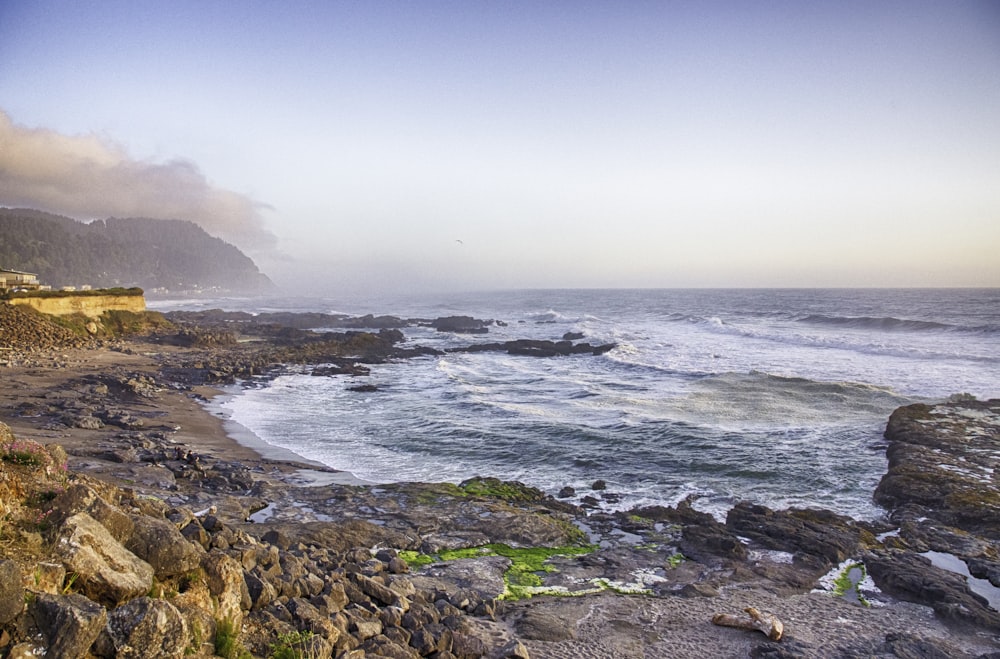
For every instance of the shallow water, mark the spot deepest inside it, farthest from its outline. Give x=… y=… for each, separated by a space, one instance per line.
x=778 y=397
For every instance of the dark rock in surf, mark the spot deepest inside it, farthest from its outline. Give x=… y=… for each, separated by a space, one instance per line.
x=941 y=464
x=341 y=367
x=821 y=534
x=537 y=348
x=461 y=325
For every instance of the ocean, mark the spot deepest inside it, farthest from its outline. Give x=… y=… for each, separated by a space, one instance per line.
x=779 y=397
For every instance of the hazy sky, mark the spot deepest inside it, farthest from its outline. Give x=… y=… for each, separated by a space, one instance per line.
x=565 y=144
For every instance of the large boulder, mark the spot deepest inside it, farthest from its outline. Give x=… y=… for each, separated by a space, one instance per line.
x=159 y=543
x=70 y=623
x=147 y=628
x=80 y=498
x=461 y=325
x=11 y=591
x=228 y=587
x=106 y=571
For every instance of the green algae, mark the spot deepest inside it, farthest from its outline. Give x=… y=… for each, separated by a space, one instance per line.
x=415 y=559
x=433 y=493
x=847 y=583
x=524 y=578
x=527 y=564
x=498 y=489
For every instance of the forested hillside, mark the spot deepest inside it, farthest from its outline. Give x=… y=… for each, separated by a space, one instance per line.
x=170 y=254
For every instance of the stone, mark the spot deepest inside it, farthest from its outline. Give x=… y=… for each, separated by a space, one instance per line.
x=374 y=590
x=941 y=460
x=147 y=628
x=365 y=629
x=79 y=498
x=467 y=646
x=107 y=572
x=70 y=623
x=261 y=592
x=460 y=325
x=423 y=642
x=383 y=646
x=159 y=543
x=26 y=651
x=226 y=583
x=699 y=590
x=11 y=591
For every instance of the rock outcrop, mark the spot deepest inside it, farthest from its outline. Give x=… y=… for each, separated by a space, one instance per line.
x=944 y=462
x=942 y=489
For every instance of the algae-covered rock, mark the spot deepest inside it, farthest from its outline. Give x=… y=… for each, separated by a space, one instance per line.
x=945 y=459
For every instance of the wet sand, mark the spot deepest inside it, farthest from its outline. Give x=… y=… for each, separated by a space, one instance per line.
x=58 y=374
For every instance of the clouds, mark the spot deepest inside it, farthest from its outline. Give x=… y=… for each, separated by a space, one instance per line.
x=90 y=177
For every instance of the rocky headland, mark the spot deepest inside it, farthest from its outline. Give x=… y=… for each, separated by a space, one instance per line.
x=135 y=527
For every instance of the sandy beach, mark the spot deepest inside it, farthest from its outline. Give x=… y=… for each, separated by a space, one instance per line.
x=59 y=373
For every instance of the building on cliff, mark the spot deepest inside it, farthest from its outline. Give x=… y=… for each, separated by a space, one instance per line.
x=18 y=279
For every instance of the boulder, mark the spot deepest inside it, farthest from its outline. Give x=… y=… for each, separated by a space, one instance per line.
x=461 y=325
x=79 y=498
x=107 y=572
x=159 y=543
x=375 y=590
x=147 y=628
x=11 y=591
x=70 y=623
x=224 y=577
x=261 y=592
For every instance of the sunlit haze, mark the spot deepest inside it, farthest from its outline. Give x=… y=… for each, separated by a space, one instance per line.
x=404 y=146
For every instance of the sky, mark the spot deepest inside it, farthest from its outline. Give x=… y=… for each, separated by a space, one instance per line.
x=423 y=146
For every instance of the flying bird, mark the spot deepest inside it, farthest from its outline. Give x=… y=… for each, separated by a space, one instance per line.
x=459 y=241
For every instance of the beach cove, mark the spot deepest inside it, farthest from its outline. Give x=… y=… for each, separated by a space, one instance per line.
x=655 y=576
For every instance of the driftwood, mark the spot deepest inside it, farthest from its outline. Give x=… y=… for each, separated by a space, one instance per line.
x=768 y=625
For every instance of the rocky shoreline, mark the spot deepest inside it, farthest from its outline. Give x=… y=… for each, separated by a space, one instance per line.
x=164 y=536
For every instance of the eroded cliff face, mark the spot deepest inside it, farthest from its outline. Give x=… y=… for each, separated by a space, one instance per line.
x=91 y=306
